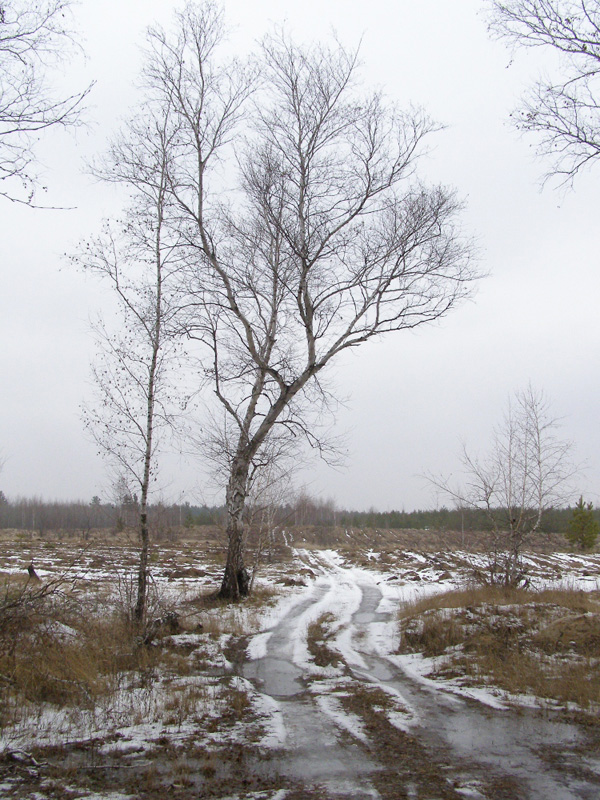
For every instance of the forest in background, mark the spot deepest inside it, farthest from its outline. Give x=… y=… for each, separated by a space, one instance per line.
x=36 y=514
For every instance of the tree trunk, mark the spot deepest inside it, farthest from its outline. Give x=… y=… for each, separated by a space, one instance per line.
x=141 y=606
x=139 y=613
x=236 y=579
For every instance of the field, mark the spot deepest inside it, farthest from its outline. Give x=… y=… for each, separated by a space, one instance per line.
x=366 y=664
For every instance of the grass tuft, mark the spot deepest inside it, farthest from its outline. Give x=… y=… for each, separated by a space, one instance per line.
x=318 y=635
x=544 y=643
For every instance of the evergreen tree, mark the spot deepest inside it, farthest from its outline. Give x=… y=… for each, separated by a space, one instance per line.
x=583 y=528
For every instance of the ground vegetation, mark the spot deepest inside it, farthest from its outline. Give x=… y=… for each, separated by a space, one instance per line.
x=543 y=642
x=91 y=707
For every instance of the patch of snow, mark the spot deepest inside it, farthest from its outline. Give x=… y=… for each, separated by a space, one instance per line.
x=344 y=645
x=349 y=722
x=109 y=796
x=280 y=794
x=257 y=646
x=402 y=721
x=271 y=712
x=418 y=667
x=470 y=789
x=186 y=638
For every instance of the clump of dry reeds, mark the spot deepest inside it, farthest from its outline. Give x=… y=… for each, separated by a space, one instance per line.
x=51 y=652
x=319 y=634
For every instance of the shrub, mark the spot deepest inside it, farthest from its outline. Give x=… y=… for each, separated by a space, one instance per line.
x=583 y=527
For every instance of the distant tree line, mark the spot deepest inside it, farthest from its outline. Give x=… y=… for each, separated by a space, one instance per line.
x=36 y=514
x=554 y=521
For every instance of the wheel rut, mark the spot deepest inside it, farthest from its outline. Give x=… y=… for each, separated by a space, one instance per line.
x=314 y=751
x=451 y=746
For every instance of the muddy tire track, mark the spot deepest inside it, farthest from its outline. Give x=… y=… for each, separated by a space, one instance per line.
x=454 y=747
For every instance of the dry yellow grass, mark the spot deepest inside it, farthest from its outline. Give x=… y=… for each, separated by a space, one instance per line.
x=73 y=647
x=544 y=643
x=318 y=635
x=504 y=596
x=53 y=663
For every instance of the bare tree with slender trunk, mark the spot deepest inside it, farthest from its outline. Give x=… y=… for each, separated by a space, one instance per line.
x=564 y=113
x=526 y=473
x=140 y=261
x=269 y=488
x=320 y=240
x=33 y=38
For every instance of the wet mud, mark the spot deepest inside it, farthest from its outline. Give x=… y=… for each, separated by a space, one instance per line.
x=493 y=745
x=454 y=747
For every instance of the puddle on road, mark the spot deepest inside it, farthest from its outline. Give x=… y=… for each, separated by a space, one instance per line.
x=314 y=752
x=483 y=745
x=503 y=741
x=274 y=676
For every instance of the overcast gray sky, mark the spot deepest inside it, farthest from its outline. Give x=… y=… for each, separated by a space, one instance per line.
x=413 y=398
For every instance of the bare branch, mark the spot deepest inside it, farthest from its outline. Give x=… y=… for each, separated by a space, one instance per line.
x=33 y=38
x=565 y=113
x=527 y=472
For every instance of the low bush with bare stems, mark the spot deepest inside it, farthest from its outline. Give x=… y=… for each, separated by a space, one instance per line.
x=51 y=652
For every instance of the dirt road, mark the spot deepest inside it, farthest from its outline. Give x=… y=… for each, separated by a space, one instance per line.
x=361 y=727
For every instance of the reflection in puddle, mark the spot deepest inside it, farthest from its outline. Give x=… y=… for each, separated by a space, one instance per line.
x=483 y=745
x=500 y=742
x=274 y=676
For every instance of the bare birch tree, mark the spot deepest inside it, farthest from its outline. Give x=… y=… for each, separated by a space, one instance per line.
x=564 y=113
x=526 y=473
x=326 y=241
x=269 y=488
x=33 y=38
x=140 y=260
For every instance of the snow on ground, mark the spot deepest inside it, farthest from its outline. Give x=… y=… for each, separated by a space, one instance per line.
x=356 y=596
x=131 y=719
x=270 y=616
x=352 y=724
x=417 y=667
x=269 y=709
x=338 y=589
x=164 y=704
